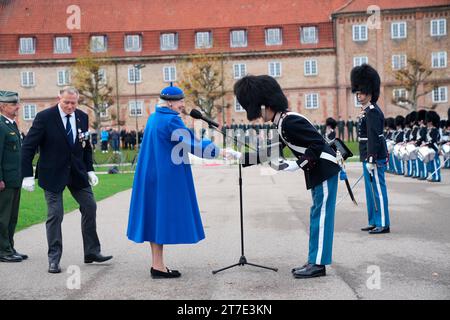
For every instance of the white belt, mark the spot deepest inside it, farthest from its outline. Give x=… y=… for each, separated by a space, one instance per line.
x=363 y=139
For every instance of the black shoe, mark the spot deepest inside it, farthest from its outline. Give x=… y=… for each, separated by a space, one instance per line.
x=11 y=258
x=96 y=258
x=310 y=271
x=298 y=268
x=23 y=256
x=54 y=268
x=368 y=228
x=156 y=274
x=378 y=230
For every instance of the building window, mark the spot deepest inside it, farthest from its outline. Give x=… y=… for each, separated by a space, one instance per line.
x=439 y=59
x=29 y=112
x=169 y=73
x=239 y=70
x=203 y=39
x=27 y=46
x=360 y=32
x=273 y=36
x=133 y=43
x=310 y=68
x=312 y=101
x=98 y=43
x=275 y=69
x=27 y=79
x=238 y=38
x=439 y=95
x=102 y=76
x=237 y=106
x=308 y=35
x=136 y=108
x=399 y=94
x=63 y=77
x=398 y=30
x=134 y=75
x=169 y=41
x=357 y=104
x=398 y=61
x=62 y=45
x=357 y=61
x=104 y=110
x=438 y=27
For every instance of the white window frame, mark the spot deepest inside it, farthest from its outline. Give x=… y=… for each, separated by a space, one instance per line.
x=134 y=75
x=66 y=77
x=310 y=62
x=29 y=112
x=136 y=105
x=237 y=35
x=309 y=34
x=133 y=43
x=440 y=90
x=274 y=66
x=27 y=45
x=359 y=60
x=396 y=28
x=440 y=56
x=311 y=96
x=169 y=73
x=399 y=93
x=239 y=70
x=62 y=45
x=203 y=39
x=102 y=76
x=274 y=36
x=169 y=41
x=99 y=43
x=104 y=114
x=237 y=106
x=438 y=22
x=30 y=80
x=401 y=58
x=356 y=32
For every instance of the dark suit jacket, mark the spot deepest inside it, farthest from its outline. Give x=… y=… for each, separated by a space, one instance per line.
x=59 y=164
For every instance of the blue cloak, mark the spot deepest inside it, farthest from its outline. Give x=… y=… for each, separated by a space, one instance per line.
x=163 y=206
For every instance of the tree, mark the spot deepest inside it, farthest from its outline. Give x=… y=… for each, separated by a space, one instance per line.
x=95 y=93
x=412 y=78
x=203 y=83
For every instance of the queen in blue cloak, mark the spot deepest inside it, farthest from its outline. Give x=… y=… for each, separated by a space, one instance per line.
x=164 y=208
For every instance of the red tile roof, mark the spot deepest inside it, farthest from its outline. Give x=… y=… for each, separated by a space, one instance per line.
x=49 y=16
x=362 y=5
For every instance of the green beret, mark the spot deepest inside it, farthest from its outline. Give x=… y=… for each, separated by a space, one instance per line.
x=9 y=97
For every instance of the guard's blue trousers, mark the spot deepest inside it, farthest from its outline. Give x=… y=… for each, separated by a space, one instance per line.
x=398 y=165
x=376 y=191
x=423 y=170
x=321 y=228
x=434 y=168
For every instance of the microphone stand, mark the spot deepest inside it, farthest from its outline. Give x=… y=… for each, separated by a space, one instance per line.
x=242 y=260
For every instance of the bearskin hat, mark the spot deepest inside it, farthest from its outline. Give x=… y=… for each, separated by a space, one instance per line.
x=433 y=117
x=421 y=115
x=413 y=117
x=331 y=123
x=442 y=124
x=400 y=121
x=252 y=92
x=390 y=123
x=365 y=79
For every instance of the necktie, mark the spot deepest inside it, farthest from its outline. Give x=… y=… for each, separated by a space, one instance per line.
x=69 y=131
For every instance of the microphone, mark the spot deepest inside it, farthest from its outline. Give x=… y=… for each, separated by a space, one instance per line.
x=198 y=115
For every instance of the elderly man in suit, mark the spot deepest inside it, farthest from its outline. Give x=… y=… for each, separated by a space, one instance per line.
x=61 y=133
x=10 y=177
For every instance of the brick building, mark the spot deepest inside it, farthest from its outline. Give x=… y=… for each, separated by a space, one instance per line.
x=309 y=46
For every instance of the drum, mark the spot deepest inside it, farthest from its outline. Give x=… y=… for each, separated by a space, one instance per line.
x=426 y=154
x=390 y=145
x=446 y=150
x=411 y=149
x=403 y=153
x=397 y=150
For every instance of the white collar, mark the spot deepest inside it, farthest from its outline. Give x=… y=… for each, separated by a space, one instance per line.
x=12 y=121
x=62 y=113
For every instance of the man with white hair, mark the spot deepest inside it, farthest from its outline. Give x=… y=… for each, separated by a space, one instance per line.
x=65 y=160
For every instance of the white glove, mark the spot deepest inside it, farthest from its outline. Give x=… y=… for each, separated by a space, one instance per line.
x=292 y=165
x=371 y=167
x=28 y=184
x=93 y=180
x=232 y=154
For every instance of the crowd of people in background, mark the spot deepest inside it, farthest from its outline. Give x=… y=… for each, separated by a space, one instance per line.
x=115 y=140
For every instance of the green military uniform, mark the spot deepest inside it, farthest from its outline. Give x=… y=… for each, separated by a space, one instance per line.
x=10 y=174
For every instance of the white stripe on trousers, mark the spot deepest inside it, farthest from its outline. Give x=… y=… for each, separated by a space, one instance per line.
x=377 y=182
x=322 y=222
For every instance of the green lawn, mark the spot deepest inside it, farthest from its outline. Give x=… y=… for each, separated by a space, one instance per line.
x=33 y=208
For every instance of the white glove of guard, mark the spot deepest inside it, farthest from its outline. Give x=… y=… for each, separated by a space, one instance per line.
x=232 y=154
x=292 y=166
x=93 y=180
x=28 y=184
x=371 y=167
